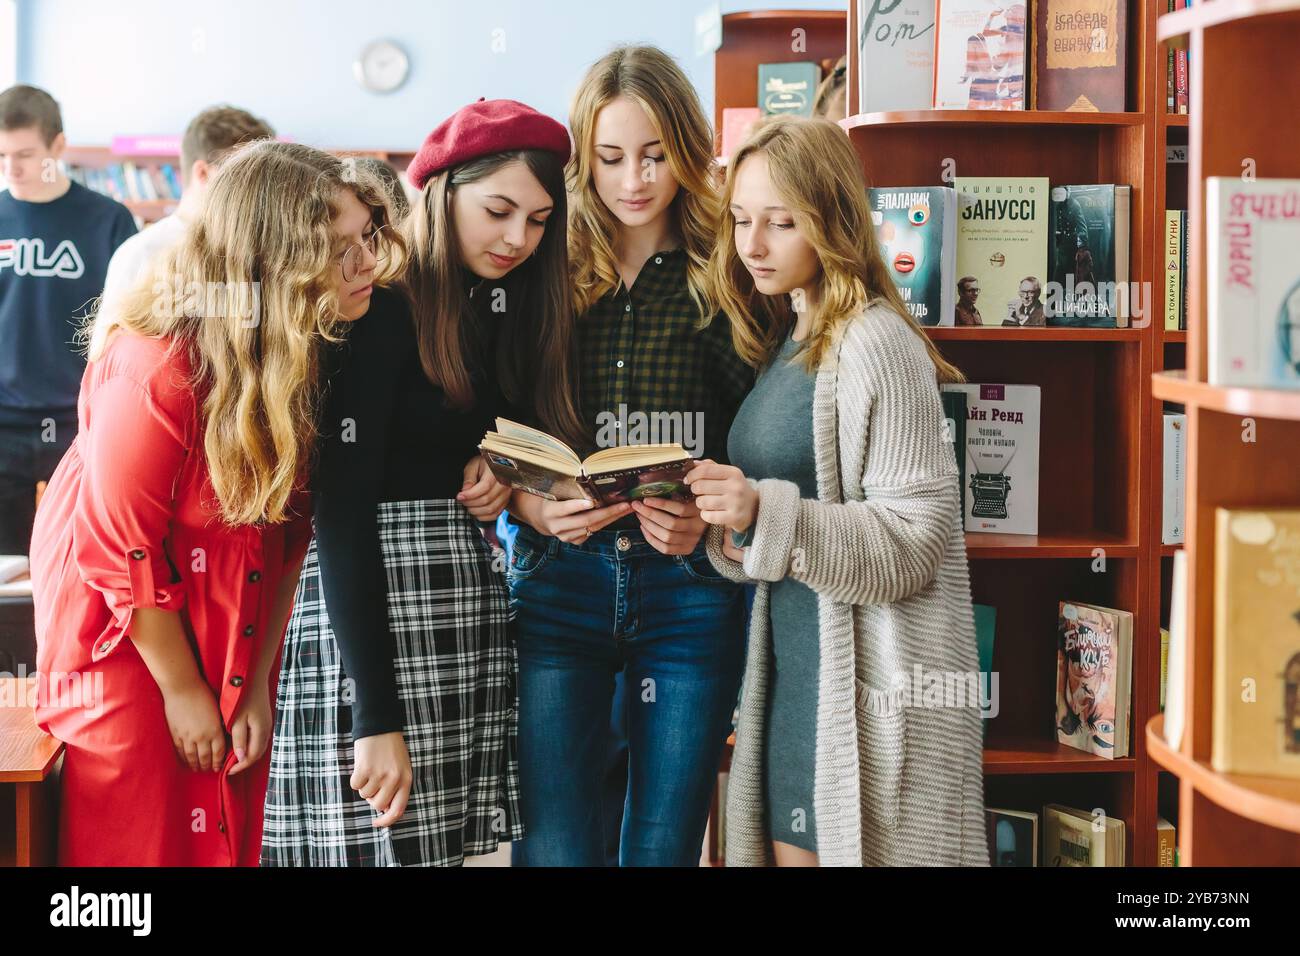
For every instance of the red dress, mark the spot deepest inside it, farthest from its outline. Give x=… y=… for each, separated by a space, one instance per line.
x=123 y=525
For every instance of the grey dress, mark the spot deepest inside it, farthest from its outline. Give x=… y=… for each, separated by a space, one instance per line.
x=771 y=437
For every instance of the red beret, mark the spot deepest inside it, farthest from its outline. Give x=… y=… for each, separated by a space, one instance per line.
x=484 y=128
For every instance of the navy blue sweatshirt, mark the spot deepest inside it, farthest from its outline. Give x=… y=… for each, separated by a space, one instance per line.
x=53 y=257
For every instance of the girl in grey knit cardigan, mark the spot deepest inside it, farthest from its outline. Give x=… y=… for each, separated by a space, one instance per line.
x=896 y=758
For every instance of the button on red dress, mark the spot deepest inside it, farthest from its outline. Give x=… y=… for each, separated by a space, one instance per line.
x=128 y=521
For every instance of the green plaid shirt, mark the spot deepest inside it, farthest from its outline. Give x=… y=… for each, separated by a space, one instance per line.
x=644 y=355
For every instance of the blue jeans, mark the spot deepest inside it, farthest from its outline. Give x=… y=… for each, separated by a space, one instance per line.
x=675 y=628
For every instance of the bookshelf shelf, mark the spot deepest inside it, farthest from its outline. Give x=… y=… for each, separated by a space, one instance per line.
x=1174 y=386
x=989 y=118
x=1048 y=334
x=1027 y=755
x=1169 y=550
x=1169 y=335
x=1019 y=546
x=1176 y=27
x=1274 y=802
x=1175 y=119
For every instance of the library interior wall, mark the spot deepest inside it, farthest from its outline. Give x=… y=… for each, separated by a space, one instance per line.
x=146 y=66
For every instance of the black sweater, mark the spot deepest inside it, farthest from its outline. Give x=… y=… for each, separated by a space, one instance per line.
x=386 y=436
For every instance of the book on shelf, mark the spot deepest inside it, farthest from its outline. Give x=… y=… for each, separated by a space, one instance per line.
x=1164 y=665
x=917 y=230
x=1002 y=440
x=1094 y=657
x=1089 y=256
x=127 y=181
x=986 y=620
x=1253 y=281
x=788 y=89
x=1080 y=53
x=1174 y=504
x=1013 y=837
x=1256 y=716
x=1175 y=227
x=979 y=55
x=1002 y=228
x=15 y=576
x=1072 y=837
x=1176 y=678
x=533 y=461
x=895 y=55
x=1166 y=842
x=1182 y=83
x=737 y=121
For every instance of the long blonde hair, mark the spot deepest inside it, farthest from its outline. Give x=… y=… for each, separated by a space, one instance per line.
x=249 y=296
x=816 y=172
x=652 y=79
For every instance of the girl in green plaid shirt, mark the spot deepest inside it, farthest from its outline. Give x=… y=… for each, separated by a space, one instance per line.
x=628 y=591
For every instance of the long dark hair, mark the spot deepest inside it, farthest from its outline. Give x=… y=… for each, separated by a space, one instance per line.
x=535 y=358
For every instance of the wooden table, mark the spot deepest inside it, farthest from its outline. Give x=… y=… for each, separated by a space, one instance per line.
x=29 y=762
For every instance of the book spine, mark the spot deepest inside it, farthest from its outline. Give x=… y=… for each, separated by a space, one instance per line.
x=1175 y=488
x=1182 y=88
x=1173 y=259
x=1170 y=95
x=1182 y=269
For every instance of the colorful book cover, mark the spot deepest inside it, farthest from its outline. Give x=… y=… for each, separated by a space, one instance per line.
x=1174 y=500
x=1253 y=281
x=917 y=229
x=979 y=58
x=1071 y=837
x=1079 y=55
x=1013 y=837
x=787 y=89
x=1166 y=842
x=1002 y=232
x=896 y=55
x=1002 y=442
x=1173 y=290
x=1093 y=657
x=1256 y=674
x=1089 y=250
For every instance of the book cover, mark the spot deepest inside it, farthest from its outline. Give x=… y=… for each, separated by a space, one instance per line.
x=1166 y=842
x=1256 y=717
x=737 y=121
x=1182 y=83
x=979 y=55
x=787 y=89
x=1013 y=837
x=1002 y=442
x=1093 y=658
x=1088 y=256
x=896 y=55
x=1164 y=664
x=1002 y=229
x=1182 y=269
x=1173 y=268
x=917 y=229
x=1174 y=503
x=1072 y=837
x=1079 y=55
x=1253 y=281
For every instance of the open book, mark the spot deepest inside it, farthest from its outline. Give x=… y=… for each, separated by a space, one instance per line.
x=533 y=461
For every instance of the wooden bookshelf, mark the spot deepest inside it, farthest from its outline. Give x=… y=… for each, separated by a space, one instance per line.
x=1243 y=95
x=1099 y=521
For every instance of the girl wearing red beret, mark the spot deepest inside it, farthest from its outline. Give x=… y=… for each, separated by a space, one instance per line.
x=396 y=725
x=628 y=591
x=168 y=543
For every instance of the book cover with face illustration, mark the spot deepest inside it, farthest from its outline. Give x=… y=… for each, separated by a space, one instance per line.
x=917 y=230
x=1092 y=678
x=1002 y=229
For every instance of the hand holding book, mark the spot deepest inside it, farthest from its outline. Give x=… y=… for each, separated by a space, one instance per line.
x=723 y=495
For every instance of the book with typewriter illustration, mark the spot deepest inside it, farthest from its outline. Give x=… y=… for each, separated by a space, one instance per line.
x=1001 y=454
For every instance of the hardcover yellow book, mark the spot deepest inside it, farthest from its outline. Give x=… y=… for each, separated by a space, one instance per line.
x=1002 y=250
x=1256 y=719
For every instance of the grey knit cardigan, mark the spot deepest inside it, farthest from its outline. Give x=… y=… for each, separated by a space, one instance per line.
x=899 y=772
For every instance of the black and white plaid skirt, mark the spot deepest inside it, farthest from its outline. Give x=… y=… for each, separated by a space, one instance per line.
x=448 y=609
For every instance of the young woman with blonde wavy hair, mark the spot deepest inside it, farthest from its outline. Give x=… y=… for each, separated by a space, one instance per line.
x=627 y=591
x=168 y=543
x=841 y=501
